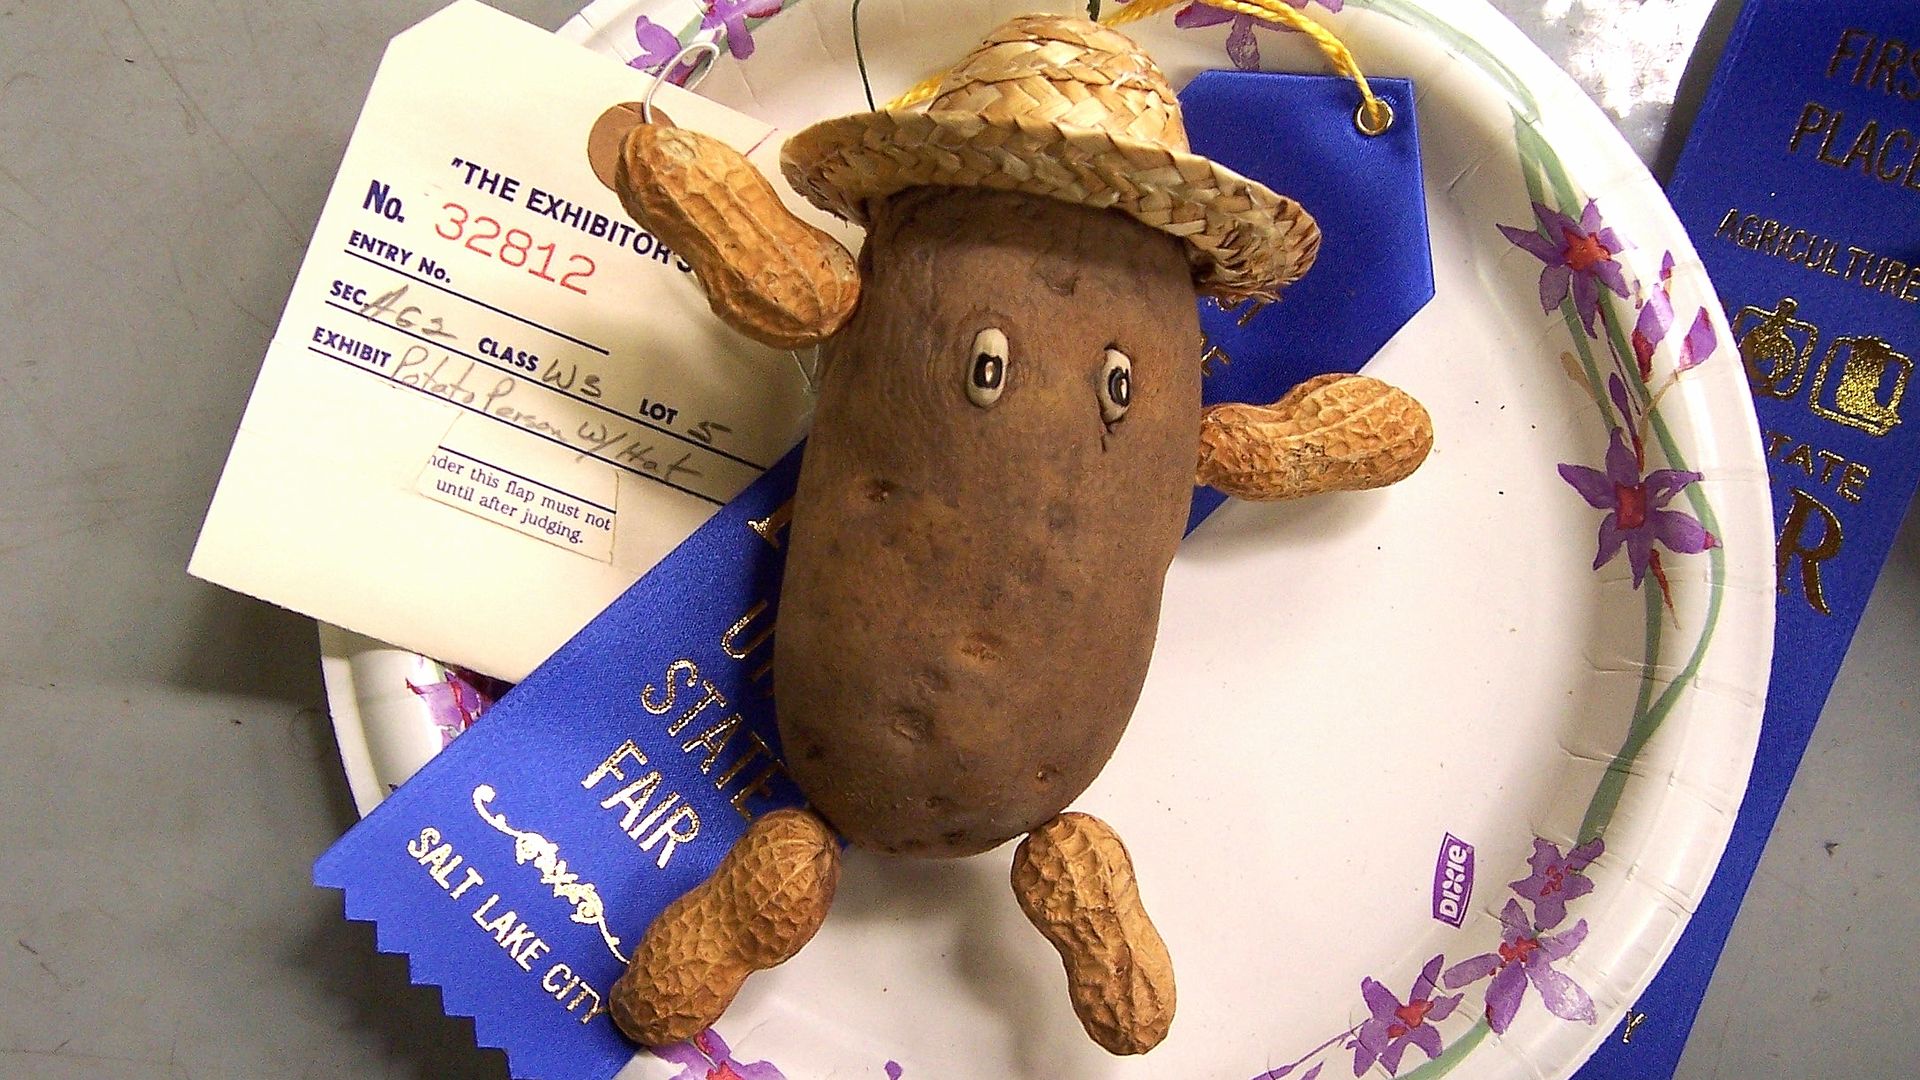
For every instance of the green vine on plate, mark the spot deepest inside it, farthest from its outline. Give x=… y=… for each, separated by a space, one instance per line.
x=1618 y=329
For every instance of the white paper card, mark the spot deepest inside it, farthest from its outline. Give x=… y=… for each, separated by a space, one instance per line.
x=492 y=401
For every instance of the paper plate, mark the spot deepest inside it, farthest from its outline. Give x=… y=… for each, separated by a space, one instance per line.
x=1424 y=781
x=393 y=709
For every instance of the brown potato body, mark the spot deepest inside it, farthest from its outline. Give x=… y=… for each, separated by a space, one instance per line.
x=972 y=593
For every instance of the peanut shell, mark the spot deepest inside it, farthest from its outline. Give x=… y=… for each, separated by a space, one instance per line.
x=767 y=273
x=1075 y=881
x=1330 y=433
x=764 y=901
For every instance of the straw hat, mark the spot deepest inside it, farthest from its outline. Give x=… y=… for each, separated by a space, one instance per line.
x=1065 y=108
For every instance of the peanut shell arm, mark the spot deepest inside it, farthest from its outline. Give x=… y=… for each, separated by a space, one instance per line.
x=768 y=274
x=1330 y=433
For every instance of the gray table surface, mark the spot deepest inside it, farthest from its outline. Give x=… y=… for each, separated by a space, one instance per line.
x=167 y=772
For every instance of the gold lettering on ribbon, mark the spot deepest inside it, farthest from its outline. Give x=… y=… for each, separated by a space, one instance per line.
x=1776 y=346
x=1857 y=400
x=768 y=528
x=544 y=854
x=729 y=640
x=1778 y=350
x=687 y=669
x=1215 y=355
x=1797 y=543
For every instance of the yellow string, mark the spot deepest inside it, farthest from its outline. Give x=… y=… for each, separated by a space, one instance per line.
x=1374 y=115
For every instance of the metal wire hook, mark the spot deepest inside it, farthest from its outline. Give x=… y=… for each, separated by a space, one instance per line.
x=811 y=374
x=711 y=48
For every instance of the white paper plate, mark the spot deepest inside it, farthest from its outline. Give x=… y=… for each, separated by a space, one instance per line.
x=1344 y=686
x=393 y=709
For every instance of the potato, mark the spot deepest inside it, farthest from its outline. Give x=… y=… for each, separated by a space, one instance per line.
x=973 y=583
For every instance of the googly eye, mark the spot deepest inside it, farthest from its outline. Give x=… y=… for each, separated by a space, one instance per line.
x=987 y=371
x=1116 y=386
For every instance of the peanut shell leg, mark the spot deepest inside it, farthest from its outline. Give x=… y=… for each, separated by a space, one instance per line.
x=1075 y=882
x=1330 y=433
x=764 y=901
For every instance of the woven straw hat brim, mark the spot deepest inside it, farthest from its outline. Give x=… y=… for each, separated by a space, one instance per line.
x=1243 y=239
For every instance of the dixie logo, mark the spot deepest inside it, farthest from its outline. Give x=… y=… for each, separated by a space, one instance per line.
x=1452 y=880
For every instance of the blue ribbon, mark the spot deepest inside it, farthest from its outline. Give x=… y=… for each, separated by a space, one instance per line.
x=518 y=867
x=1803 y=154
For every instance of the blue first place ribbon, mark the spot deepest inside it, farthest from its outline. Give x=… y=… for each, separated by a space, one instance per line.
x=518 y=869
x=1800 y=185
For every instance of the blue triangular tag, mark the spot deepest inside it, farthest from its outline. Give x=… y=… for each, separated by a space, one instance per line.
x=1296 y=134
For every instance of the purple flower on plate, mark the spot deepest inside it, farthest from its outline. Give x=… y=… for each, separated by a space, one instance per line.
x=1636 y=508
x=1556 y=879
x=1242 y=48
x=1698 y=344
x=459 y=699
x=1656 y=321
x=1526 y=958
x=658 y=47
x=730 y=18
x=1578 y=257
x=1393 y=1027
x=706 y=1057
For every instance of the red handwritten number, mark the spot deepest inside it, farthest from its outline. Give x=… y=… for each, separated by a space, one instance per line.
x=515 y=249
x=457 y=224
x=521 y=246
x=566 y=279
x=479 y=221
x=545 y=263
